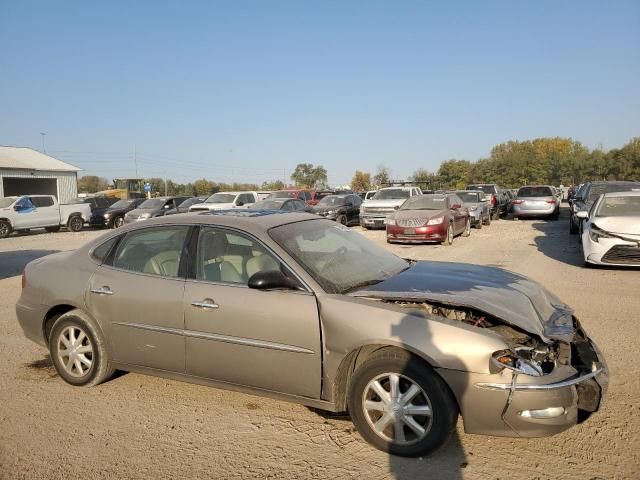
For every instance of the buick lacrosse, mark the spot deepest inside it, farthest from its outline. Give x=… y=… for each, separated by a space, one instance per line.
x=292 y=306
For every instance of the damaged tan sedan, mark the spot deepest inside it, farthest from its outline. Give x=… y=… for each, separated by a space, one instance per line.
x=291 y=306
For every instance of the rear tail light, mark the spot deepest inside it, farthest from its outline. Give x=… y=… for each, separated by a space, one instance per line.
x=517 y=202
x=552 y=202
x=24 y=280
x=493 y=200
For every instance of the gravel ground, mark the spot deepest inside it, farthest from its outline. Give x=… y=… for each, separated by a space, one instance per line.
x=137 y=426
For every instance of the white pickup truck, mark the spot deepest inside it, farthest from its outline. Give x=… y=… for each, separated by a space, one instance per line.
x=385 y=201
x=40 y=211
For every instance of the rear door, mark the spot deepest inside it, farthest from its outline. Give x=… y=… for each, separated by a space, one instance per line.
x=235 y=334
x=458 y=214
x=137 y=294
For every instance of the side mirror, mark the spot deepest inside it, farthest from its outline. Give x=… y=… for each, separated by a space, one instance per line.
x=582 y=214
x=239 y=203
x=271 y=280
x=397 y=207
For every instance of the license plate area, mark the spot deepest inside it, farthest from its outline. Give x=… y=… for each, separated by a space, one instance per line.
x=409 y=231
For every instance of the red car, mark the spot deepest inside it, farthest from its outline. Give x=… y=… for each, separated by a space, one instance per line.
x=305 y=195
x=429 y=218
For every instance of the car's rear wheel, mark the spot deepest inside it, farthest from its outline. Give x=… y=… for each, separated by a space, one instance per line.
x=75 y=223
x=52 y=229
x=467 y=228
x=400 y=405
x=5 y=229
x=78 y=350
x=487 y=220
x=478 y=224
x=342 y=219
x=449 y=238
x=118 y=221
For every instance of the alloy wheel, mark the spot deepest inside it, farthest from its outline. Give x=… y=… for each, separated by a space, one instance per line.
x=75 y=351
x=118 y=222
x=4 y=229
x=450 y=234
x=397 y=409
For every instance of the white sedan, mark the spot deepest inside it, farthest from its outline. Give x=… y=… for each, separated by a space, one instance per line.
x=611 y=230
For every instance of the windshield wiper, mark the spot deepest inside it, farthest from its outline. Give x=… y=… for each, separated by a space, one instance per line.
x=366 y=283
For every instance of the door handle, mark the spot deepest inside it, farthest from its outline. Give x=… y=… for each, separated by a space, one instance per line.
x=206 y=304
x=102 y=291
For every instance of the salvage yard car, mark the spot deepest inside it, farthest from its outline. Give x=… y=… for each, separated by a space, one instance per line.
x=28 y=212
x=477 y=205
x=434 y=217
x=154 y=207
x=344 y=209
x=403 y=346
x=373 y=212
x=536 y=201
x=285 y=204
x=611 y=230
x=113 y=217
x=226 y=200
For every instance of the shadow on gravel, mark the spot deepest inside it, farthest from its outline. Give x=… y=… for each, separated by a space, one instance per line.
x=13 y=263
x=556 y=242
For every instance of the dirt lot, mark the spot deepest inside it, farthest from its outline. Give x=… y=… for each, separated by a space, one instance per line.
x=142 y=427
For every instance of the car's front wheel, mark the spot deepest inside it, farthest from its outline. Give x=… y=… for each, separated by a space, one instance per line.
x=78 y=350
x=467 y=228
x=118 y=221
x=449 y=238
x=5 y=228
x=400 y=405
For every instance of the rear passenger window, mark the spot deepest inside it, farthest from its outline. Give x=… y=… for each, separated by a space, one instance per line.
x=155 y=251
x=101 y=252
x=42 y=201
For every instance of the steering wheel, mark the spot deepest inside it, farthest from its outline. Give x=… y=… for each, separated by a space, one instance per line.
x=340 y=252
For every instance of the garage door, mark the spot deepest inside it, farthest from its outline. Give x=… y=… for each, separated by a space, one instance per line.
x=13 y=186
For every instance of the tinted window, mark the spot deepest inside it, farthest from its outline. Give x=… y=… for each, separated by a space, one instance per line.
x=101 y=251
x=535 y=192
x=305 y=195
x=246 y=198
x=228 y=257
x=42 y=201
x=155 y=251
x=598 y=189
x=298 y=205
x=123 y=203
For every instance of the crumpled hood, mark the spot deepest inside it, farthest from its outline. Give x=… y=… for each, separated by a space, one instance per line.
x=508 y=296
x=620 y=225
x=392 y=202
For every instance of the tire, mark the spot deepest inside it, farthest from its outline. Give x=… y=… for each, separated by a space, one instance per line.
x=5 y=229
x=448 y=241
x=495 y=215
x=75 y=223
x=433 y=393
x=467 y=228
x=118 y=221
x=52 y=229
x=478 y=225
x=341 y=219
x=573 y=230
x=487 y=220
x=91 y=339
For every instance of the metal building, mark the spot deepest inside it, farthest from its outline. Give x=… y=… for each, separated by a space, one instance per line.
x=24 y=171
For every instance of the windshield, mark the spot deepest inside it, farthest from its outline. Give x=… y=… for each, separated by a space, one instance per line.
x=7 y=202
x=391 y=193
x=468 y=197
x=153 y=204
x=482 y=188
x=425 y=202
x=221 y=198
x=535 y=192
x=190 y=201
x=267 y=205
x=598 y=189
x=122 y=204
x=619 y=207
x=283 y=195
x=337 y=258
x=332 y=201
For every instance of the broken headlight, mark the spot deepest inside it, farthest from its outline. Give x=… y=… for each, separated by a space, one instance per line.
x=596 y=233
x=516 y=363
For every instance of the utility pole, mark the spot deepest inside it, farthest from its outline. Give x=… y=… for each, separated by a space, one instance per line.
x=165 y=185
x=43 y=135
x=135 y=159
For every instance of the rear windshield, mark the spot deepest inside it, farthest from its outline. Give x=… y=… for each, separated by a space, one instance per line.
x=535 y=192
x=483 y=188
x=425 y=202
x=619 y=207
x=468 y=197
x=598 y=189
x=283 y=195
x=221 y=198
x=332 y=201
x=391 y=194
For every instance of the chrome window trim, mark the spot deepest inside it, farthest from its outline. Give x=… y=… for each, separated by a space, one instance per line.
x=249 y=342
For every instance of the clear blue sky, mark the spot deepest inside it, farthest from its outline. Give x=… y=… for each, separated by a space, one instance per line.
x=198 y=87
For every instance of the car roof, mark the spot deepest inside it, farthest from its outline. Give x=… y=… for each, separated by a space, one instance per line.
x=632 y=193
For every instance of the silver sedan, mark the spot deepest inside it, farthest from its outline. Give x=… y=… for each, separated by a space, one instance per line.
x=291 y=306
x=536 y=201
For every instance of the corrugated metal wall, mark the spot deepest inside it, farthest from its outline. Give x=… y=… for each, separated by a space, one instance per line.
x=67 y=181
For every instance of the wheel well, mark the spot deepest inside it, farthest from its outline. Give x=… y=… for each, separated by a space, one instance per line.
x=52 y=315
x=350 y=364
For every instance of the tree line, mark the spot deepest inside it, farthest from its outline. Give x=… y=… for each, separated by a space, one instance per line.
x=552 y=161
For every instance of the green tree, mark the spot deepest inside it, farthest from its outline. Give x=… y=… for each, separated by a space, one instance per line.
x=203 y=187
x=307 y=176
x=273 y=186
x=361 y=181
x=454 y=174
x=92 y=184
x=383 y=175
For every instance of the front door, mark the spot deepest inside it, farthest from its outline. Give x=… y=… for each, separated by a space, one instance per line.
x=48 y=214
x=235 y=334
x=137 y=296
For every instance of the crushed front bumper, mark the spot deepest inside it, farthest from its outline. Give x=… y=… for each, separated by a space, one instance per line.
x=515 y=405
